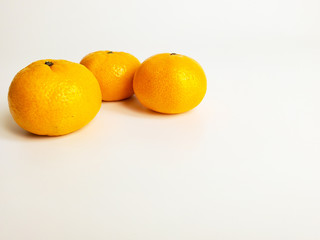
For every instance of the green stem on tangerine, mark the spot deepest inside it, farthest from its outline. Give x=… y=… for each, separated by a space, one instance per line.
x=49 y=63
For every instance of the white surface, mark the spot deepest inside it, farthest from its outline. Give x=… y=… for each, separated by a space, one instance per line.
x=243 y=165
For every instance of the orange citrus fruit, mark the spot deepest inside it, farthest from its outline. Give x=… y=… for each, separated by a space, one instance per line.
x=114 y=71
x=170 y=83
x=54 y=97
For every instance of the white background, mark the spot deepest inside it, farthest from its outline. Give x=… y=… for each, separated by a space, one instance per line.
x=244 y=164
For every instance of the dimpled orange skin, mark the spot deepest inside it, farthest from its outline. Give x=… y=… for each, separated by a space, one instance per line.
x=114 y=71
x=54 y=100
x=170 y=83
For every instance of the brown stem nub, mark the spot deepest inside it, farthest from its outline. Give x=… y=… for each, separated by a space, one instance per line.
x=173 y=54
x=109 y=52
x=49 y=63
